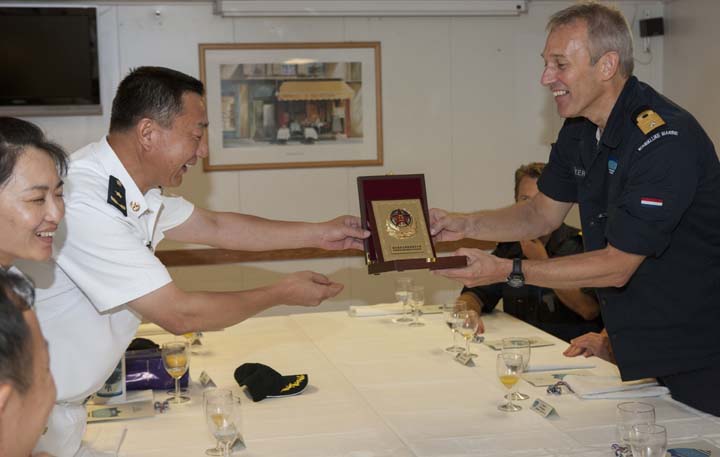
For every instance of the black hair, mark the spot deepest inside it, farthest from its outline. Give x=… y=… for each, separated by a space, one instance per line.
x=15 y=136
x=17 y=294
x=153 y=93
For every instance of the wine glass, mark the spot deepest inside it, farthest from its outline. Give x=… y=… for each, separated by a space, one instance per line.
x=402 y=294
x=509 y=368
x=416 y=301
x=176 y=360
x=211 y=396
x=648 y=440
x=632 y=413
x=516 y=345
x=222 y=414
x=466 y=325
x=450 y=313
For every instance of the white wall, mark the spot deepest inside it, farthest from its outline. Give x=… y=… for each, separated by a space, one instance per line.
x=692 y=60
x=462 y=103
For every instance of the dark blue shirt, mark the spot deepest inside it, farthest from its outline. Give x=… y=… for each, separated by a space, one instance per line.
x=655 y=193
x=539 y=306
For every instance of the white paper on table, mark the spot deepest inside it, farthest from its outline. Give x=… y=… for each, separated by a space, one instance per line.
x=386 y=309
x=612 y=387
x=105 y=441
x=381 y=309
x=535 y=342
x=557 y=367
x=545 y=379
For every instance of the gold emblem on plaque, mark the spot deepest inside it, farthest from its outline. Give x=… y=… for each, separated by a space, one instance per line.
x=400 y=224
x=402 y=229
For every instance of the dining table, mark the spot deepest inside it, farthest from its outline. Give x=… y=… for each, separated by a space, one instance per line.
x=379 y=388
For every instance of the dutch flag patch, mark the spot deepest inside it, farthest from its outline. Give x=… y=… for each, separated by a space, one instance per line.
x=649 y=201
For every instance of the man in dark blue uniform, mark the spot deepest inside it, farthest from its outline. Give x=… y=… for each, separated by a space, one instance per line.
x=565 y=313
x=647 y=181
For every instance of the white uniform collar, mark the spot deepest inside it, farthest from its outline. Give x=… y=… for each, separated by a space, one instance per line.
x=137 y=203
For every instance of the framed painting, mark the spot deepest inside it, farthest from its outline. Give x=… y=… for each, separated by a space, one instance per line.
x=292 y=105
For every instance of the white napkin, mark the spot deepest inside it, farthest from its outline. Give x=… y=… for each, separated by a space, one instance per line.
x=612 y=387
x=381 y=309
x=557 y=367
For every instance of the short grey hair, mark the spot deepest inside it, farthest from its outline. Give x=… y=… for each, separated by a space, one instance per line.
x=607 y=31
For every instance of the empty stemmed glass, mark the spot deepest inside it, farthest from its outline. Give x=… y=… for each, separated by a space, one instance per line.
x=222 y=415
x=450 y=313
x=466 y=325
x=416 y=301
x=515 y=345
x=648 y=440
x=402 y=294
x=176 y=360
x=212 y=396
x=509 y=368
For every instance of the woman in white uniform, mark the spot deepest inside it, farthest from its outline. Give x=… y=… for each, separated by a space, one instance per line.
x=31 y=207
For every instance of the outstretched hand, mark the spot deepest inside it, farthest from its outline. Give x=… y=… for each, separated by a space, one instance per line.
x=447 y=227
x=307 y=288
x=482 y=269
x=344 y=232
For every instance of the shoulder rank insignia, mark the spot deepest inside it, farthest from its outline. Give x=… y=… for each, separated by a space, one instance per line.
x=648 y=120
x=116 y=195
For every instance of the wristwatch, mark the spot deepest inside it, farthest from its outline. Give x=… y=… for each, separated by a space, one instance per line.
x=516 y=278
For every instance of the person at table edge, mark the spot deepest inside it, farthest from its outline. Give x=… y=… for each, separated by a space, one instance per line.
x=647 y=181
x=565 y=313
x=106 y=277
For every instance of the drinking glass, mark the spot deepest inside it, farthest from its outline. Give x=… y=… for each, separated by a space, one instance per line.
x=402 y=294
x=222 y=415
x=176 y=360
x=211 y=396
x=648 y=440
x=466 y=325
x=632 y=413
x=516 y=345
x=450 y=313
x=416 y=300
x=509 y=368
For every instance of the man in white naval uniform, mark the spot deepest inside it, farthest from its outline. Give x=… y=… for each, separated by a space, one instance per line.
x=106 y=276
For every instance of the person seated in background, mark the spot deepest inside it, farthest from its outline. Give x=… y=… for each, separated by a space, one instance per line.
x=27 y=390
x=565 y=313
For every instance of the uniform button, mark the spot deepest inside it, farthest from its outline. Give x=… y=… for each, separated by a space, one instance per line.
x=603 y=302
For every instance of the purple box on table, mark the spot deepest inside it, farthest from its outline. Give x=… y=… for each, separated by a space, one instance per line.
x=144 y=370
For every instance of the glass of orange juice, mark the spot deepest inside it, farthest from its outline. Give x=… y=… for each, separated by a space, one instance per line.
x=176 y=360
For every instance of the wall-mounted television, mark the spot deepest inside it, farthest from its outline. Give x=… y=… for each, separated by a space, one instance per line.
x=49 y=62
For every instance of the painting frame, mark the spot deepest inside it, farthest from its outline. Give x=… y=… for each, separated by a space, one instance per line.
x=292 y=105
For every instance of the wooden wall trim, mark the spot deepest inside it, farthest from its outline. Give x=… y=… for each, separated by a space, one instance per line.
x=190 y=257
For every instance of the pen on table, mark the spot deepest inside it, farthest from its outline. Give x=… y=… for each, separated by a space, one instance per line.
x=120 y=441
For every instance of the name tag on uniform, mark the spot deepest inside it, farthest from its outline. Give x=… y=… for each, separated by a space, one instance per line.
x=543 y=408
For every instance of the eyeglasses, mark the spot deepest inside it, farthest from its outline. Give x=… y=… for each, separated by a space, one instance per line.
x=18 y=289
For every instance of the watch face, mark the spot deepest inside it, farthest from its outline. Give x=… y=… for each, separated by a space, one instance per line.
x=516 y=281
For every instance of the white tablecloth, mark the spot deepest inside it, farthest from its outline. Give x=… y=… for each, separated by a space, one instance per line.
x=384 y=389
